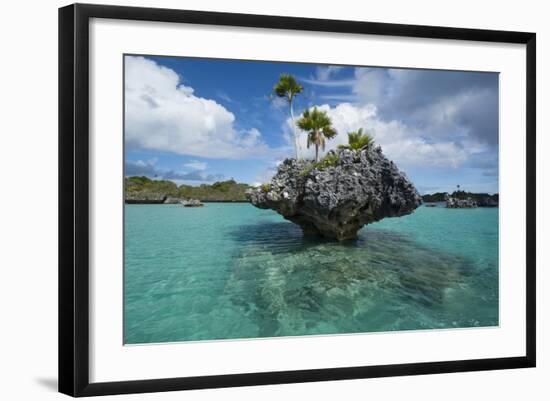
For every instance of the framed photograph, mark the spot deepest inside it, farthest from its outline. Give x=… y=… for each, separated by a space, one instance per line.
x=251 y=199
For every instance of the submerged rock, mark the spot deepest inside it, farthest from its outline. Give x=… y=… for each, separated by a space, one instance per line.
x=339 y=195
x=287 y=285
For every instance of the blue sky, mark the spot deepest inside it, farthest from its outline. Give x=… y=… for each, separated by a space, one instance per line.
x=197 y=121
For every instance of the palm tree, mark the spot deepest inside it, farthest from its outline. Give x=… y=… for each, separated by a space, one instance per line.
x=357 y=140
x=288 y=88
x=319 y=128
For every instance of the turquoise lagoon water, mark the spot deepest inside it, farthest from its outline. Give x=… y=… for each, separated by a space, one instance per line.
x=227 y=271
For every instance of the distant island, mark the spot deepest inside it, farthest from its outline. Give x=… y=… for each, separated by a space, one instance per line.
x=143 y=190
x=480 y=199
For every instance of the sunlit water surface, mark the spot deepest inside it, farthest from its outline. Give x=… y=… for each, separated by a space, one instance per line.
x=227 y=271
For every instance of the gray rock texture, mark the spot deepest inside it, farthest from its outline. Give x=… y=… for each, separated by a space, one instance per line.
x=336 y=199
x=170 y=200
x=191 y=203
x=455 y=203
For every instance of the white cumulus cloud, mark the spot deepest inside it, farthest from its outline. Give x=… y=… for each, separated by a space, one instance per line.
x=400 y=143
x=165 y=115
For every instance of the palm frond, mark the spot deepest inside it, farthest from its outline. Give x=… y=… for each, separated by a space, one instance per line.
x=357 y=140
x=319 y=127
x=287 y=87
x=329 y=132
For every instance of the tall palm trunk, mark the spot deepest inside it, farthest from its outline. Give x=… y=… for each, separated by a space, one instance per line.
x=296 y=143
x=316 y=146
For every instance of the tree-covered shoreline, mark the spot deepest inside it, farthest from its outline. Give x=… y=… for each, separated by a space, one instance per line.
x=141 y=189
x=480 y=198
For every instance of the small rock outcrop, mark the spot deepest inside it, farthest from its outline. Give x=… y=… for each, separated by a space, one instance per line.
x=339 y=195
x=456 y=203
x=191 y=203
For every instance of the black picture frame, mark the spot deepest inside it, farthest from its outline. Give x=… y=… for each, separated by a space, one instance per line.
x=74 y=200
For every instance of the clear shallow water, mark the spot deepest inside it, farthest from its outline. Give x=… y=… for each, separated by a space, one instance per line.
x=228 y=271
